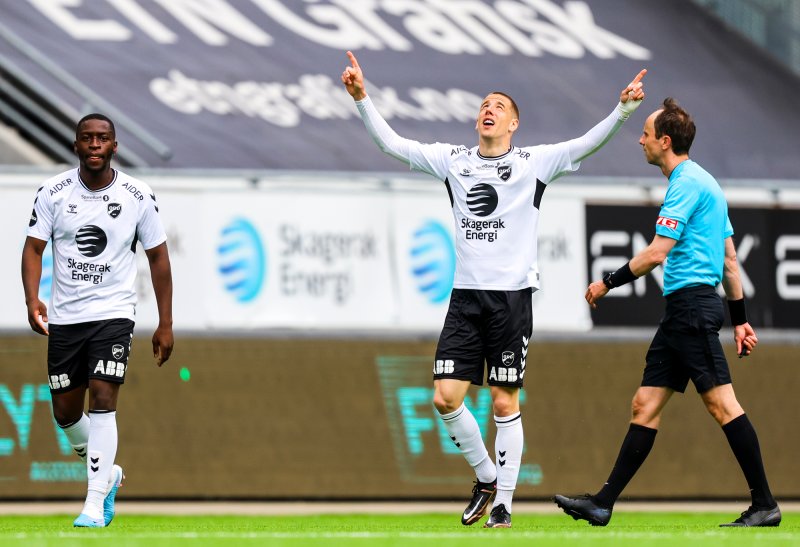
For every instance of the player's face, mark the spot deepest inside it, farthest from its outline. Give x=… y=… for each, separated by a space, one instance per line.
x=496 y=117
x=95 y=145
x=652 y=146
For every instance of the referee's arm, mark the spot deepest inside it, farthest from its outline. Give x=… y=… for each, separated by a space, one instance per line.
x=743 y=333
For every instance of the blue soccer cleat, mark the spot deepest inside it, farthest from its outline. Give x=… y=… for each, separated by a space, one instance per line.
x=108 y=504
x=85 y=521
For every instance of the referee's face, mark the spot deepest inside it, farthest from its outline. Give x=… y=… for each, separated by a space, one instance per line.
x=653 y=147
x=496 y=118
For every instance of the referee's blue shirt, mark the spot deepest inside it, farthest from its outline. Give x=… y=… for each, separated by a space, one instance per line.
x=695 y=214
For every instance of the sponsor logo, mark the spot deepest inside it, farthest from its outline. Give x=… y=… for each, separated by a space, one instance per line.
x=433 y=261
x=92 y=197
x=57 y=187
x=508 y=358
x=482 y=199
x=444 y=366
x=482 y=229
x=133 y=190
x=105 y=198
x=504 y=172
x=91 y=240
x=668 y=222
x=117 y=350
x=87 y=271
x=502 y=374
x=110 y=368
x=72 y=208
x=241 y=260
x=114 y=209
x=58 y=381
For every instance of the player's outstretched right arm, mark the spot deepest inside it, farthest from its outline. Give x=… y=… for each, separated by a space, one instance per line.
x=384 y=136
x=31 y=276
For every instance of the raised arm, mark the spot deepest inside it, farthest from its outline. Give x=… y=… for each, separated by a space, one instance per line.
x=629 y=100
x=384 y=136
x=743 y=334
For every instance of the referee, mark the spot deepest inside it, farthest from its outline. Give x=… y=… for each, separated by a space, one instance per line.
x=694 y=231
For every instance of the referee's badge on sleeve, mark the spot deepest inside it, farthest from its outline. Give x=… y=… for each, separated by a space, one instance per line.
x=668 y=222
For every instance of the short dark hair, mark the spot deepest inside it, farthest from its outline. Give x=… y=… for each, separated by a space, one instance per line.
x=677 y=124
x=95 y=116
x=513 y=103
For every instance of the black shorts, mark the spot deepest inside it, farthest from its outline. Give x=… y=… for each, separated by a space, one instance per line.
x=686 y=345
x=96 y=349
x=485 y=326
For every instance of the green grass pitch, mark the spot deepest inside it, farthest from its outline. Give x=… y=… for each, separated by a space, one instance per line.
x=434 y=530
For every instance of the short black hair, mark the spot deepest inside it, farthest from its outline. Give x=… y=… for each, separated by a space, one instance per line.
x=676 y=123
x=95 y=116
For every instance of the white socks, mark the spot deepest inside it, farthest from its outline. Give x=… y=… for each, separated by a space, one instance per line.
x=102 y=449
x=78 y=435
x=508 y=448
x=465 y=433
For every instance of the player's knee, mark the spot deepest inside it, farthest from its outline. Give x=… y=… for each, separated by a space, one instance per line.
x=445 y=403
x=504 y=407
x=66 y=417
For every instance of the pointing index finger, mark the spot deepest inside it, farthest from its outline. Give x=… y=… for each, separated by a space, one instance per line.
x=353 y=60
x=639 y=77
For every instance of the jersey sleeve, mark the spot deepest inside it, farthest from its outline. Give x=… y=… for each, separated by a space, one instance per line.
x=552 y=161
x=149 y=228
x=679 y=203
x=41 y=223
x=728 y=227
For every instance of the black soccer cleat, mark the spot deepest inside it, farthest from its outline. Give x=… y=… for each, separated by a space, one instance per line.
x=499 y=518
x=757 y=517
x=584 y=508
x=482 y=495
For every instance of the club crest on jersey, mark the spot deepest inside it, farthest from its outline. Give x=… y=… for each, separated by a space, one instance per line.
x=114 y=209
x=508 y=357
x=117 y=350
x=504 y=172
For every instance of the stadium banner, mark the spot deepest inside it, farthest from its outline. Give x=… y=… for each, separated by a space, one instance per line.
x=768 y=251
x=267 y=93
x=314 y=418
x=320 y=257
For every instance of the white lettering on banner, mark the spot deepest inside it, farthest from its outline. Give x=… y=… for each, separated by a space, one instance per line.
x=787 y=268
x=504 y=27
x=602 y=264
x=315 y=95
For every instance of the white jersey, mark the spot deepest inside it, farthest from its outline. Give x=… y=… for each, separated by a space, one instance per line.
x=496 y=208
x=94 y=235
x=495 y=200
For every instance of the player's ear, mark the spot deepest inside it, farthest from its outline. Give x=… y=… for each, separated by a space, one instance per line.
x=513 y=125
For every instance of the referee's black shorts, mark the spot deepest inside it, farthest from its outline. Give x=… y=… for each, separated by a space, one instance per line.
x=686 y=345
x=485 y=326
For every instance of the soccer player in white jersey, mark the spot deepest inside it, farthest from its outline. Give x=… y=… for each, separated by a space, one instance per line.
x=94 y=215
x=495 y=191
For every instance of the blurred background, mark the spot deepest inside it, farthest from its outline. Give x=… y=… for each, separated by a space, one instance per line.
x=312 y=272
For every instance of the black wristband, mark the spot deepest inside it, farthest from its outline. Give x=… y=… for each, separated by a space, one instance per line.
x=738 y=312
x=620 y=277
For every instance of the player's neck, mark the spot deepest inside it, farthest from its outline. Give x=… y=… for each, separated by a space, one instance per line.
x=672 y=162
x=95 y=180
x=492 y=148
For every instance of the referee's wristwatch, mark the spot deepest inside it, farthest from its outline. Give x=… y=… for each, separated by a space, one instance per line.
x=607 y=281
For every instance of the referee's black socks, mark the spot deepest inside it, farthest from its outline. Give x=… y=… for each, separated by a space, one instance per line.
x=634 y=451
x=744 y=443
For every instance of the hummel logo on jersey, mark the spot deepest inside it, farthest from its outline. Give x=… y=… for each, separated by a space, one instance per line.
x=482 y=199
x=91 y=240
x=444 y=366
x=465 y=172
x=504 y=172
x=668 y=222
x=72 y=208
x=117 y=350
x=508 y=357
x=110 y=368
x=114 y=209
x=58 y=382
x=502 y=374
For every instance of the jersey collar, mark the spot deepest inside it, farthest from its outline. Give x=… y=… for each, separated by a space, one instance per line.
x=104 y=188
x=501 y=156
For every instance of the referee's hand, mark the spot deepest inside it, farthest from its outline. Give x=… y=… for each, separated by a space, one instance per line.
x=595 y=292
x=745 y=338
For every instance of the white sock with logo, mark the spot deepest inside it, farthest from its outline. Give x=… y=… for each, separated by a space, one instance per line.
x=508 y=448
x=78 y=435
x=465 y=433
x=102 y=449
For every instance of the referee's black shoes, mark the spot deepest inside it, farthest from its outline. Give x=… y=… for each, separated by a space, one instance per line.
x=584 y=508
x=482 y=494
x=757 y=517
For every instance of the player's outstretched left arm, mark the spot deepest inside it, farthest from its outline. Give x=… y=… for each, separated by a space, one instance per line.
x=743 y=333
x=161 y=276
